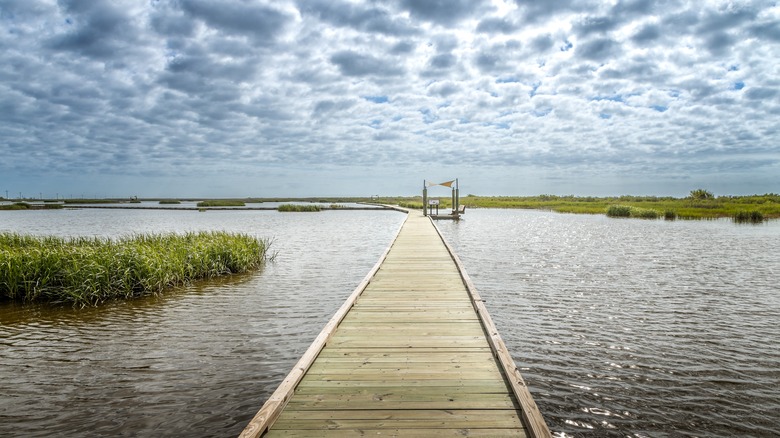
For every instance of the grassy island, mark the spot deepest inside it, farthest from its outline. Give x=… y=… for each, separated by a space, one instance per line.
x=295 y=207
x=221 y=203
x=28 y=206
x=87 y=271
x=170 y=202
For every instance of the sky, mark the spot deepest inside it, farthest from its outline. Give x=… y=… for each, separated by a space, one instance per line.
x=234 y=98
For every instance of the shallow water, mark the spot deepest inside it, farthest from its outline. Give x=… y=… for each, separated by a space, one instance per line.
x=632 y=327
x=199 y=361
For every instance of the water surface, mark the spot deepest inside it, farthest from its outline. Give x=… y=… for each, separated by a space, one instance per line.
x=632 y=327
x=198 y=361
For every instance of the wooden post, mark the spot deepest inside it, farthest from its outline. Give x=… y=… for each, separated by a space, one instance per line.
x=457 y=196
x=454 y=209
x=425 y=199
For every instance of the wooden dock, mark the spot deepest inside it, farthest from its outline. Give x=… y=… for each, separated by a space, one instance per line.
x=412 y=352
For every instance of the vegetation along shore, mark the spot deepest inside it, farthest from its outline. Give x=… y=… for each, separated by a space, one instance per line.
x=699 y=204
x=87 y=271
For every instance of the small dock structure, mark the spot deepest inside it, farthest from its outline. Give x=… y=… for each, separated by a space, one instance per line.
x=432 y=204
x=413 y=352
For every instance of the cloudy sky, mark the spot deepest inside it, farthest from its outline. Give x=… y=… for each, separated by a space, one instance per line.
x=361 y=97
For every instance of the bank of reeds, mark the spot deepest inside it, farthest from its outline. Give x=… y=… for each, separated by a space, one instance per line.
x=298 y=208
x=631 y=211
x=170 y=202
x=743 y=216
x=15 y=206
x=87 y=271
x=221 y=203
x=27 y=206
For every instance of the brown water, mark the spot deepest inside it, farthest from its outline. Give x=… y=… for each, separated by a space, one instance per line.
x=199 y=361
x=631 y=327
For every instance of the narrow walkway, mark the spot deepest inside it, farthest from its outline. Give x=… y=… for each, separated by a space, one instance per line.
x=412 y=357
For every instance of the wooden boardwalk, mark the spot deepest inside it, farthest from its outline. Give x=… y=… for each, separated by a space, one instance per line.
x=412 y=352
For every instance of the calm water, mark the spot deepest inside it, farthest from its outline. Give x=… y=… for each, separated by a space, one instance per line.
x=634 y=328
x=197 y=362
x=621 y=327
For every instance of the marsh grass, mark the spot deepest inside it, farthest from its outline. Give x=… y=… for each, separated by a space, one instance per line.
x=170 y=202
x=221 y=203
x=298 y=208
x=27 y=206
x=685 y=208
x=15 y=206
x=619 y=211
x=631 y=211
x=754 y=217
x=88 y=271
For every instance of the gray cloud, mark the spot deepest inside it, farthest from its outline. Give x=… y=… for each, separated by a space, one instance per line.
x=647 y=34
x=98 y=30
x=536 y=10
x=445 y=12
x=233 y=16
x=357 y=64
x=362 y=17
x=599 y=49
x=497 y=25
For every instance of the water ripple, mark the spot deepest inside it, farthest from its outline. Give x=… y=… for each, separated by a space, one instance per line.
x=634 y=328
x=198 y=361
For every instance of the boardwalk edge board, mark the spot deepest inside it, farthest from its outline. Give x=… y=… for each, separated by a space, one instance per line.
x=275 y=404
x=532 y=417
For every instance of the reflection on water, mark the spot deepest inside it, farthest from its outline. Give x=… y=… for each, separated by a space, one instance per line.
x=630 y=327
x=198 y=361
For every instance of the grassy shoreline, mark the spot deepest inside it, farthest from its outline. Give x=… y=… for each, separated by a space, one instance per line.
x=768 y=205
x=700 y=204
x=89 y=271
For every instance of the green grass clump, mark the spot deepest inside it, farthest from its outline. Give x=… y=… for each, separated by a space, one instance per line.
x=15 y=206
x=670 y=215
x=754 y=217
x=631 y=211
x=619 y=211
x=87 y=271
x=221 y=203
x=298 y=208
x=644 y=213
x=170 y=201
